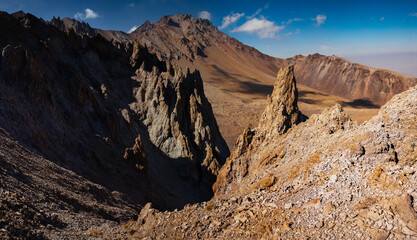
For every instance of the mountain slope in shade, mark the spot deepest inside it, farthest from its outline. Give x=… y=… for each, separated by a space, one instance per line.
x=115 y=115
x=41 y=200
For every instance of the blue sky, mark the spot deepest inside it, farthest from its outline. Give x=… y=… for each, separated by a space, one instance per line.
x=352 y=29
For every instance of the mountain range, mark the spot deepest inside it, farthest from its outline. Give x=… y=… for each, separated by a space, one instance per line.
x=238 y=77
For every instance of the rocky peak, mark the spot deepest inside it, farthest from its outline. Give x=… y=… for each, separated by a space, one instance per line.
x=144 y=27
x=68 y=23
x=282 y=110
x=180 y=120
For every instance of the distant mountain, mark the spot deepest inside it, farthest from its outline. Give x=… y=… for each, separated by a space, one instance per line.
x=81 y=28
x=338 y=76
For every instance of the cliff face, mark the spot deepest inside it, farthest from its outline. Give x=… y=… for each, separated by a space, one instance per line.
x=111 y=113
x=353 y=81
x=322 y=178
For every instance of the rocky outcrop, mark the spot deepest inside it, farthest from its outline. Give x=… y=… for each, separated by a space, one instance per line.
x=112 y=113
x=279 y=116
x=334 y=75
x=323 y=178
x=281 y=112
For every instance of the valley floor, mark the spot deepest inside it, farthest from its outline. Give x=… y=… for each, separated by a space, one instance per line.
x=235 y=111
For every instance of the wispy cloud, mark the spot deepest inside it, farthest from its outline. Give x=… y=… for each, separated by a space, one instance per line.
x=255 y=14
x=88 y=13
x=132 y=29
x=258 y=11
x=413 y=14
x=261 y=26
x=293 y=20
x=382 y=19
x=132 y=5
x=320 y=19
x=231 y=18
x=204 y=15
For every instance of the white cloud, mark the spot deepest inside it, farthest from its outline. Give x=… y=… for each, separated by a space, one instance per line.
x=132 y=29
x=88 y=13
x=231 y=18
x=297 y=31
x=204 y=15
x=413 y=14
x=320 y=19
x=382 y=19
x=132 y=5
x=261 y=26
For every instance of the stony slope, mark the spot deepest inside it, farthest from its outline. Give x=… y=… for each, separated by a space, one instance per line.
x=327 y=177
x=40 y=200
x=111 y=113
